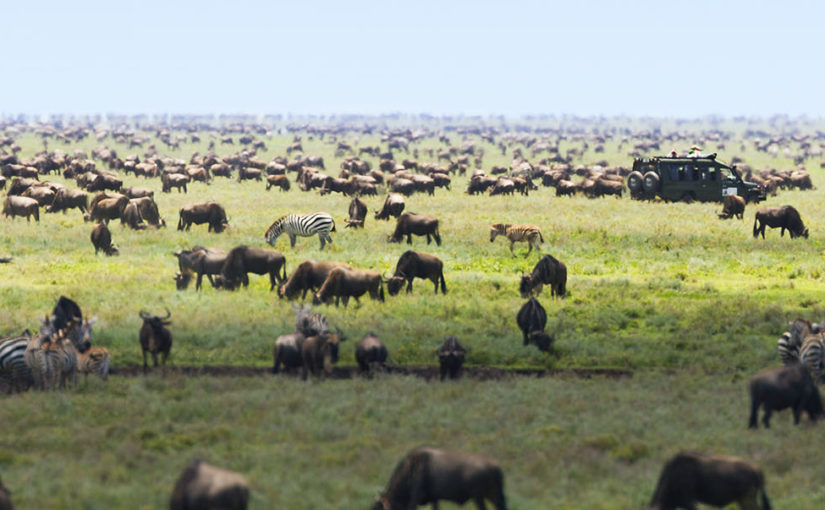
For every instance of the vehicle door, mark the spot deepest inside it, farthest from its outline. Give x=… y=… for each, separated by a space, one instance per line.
x=710 y=184
x=731 y=184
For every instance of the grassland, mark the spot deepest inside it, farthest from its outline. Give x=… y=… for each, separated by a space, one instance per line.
x=692 y=304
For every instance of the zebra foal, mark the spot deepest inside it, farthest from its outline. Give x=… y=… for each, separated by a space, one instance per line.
x=516 y=233
x=304 y=225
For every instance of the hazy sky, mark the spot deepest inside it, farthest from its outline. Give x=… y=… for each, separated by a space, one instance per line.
x=472 y=57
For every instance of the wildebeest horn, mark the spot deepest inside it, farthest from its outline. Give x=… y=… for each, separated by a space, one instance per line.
x=168 y=314
x=144 y=315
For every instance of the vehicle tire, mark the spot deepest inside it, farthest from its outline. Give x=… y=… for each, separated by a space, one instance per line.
x=688 y=198
x=635 y=182
x=651 y=182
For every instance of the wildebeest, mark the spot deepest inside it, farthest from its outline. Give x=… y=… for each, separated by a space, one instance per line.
x=414 y=264
x=43 y=194
x=370 y=353
x=155 y=337
x=137 y=192
x=393 y=206
x=785 y=217
x=343 y=284
x=451 y=357
x=319 y=354
x=149 y=211
x=418 y=224
x=102 y=240
x=783 y=387
x=532 y=319
x=548 y=271
x=175 y=180
x=203 y=212
x=357 y=213
x=689 y=478
x=21 y=206
x=200 y=261
x=429 y=475
x=5 y=498
x=131 y=217
x=202 y=486
x=732 y=205
x=279 y=181
x=66 y=199
x=287 y=351
x=106 y=209
x=309 y=275
x=243 y=259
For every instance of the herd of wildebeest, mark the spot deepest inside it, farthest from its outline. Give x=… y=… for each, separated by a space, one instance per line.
x=400 y=166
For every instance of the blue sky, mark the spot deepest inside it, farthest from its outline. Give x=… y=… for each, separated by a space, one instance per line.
x=441 y=57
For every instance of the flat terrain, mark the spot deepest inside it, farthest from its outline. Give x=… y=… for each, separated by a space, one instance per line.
x=690 y=304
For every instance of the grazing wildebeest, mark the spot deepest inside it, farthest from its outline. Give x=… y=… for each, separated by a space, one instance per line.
x=319 y=354
x=345 y=283
x=155 y=337
x=783 y=387
x=370 y=353
x=532 y=319
x=279 y=181
x=357 y=213
x=309 y=275
x=43 y=194
x=451 y=357
x=102 y=240
x=785 y=217
x=131 y=217
x=732 y=205
x=5 y=498
x=175 y=180
x=21 y=206
x=393 y=206
x=204 y=212
x=287 y=351
x=418 y=224
x=66 y=199
x=201 y=261
x=149 y=211
x=548 y=271
x=429 y=475
x=243 y=259
x=202 y=486
x=106 y=209
x=414 y=264
x=137 y=192
x=689 y=478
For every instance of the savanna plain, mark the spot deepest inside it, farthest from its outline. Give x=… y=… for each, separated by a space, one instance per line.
x=690 y=306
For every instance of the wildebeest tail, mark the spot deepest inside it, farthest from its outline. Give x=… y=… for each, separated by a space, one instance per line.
x=766 y=505
x=283 y=268
x=180 y=220
x=443 y=284
x=381 y=290
x=755 y=230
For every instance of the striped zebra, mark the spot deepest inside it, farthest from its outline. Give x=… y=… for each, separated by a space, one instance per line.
x=304 y=225
x=811 y=355
x=12 y=364
x=95 y=361
x=308 y=323
x=515 y=233
x=803 y=344
x=52 y=355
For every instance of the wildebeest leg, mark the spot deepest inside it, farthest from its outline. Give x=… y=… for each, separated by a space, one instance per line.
x=155 y=359
x=145 y=365
x=797 y=413
x=437 y=237
x=246 y=280
x=277 y=361
x=198 y=282
x=291 y=240
x=766 y=419
x=409 y=238
x=345 y=299
x=428 y=239
x=409 y=285
x=272 y=279
x=480 y=503
x=753 y=422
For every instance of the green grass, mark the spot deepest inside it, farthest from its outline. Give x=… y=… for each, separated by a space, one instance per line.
x=692 y=304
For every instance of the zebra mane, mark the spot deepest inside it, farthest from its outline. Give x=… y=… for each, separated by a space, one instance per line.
x=275 y=224
x=500 y=227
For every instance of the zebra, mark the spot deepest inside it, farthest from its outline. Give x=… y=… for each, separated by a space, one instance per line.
x=308 y=323
x=13 y=364
x=803 y=344
x=811 y=355
x=304 y=225
x=94 y=360
x=515 y=233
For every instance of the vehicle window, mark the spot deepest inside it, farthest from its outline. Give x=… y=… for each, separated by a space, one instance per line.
x=681 y=171
x=725 y=173
x=709 y=173
x=673 y=172
x=692 y=172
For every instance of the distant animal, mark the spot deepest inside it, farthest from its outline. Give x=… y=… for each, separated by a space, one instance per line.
x=66 y=199
x=287 y=352
x=393 y=206
x=21 y=206
x=155 y=337
x=548 y=271
x=242 y=260
x=779 y=388
x=175 y=180
x=199 y=261
x=418 y=224
x=451 y=357
x=131 y=217
x=785 y=217
x=370 y=353
x=689 y=478
x=212 y=213
x=309 y=275
x=106 y=209
x=102 y=240
x=304 y=225
x=414 y=264
x=95 y=360
x=516 y=233
x=319 y=354
x=5 y=498
x=428 y=475
x=202 y=486
x=357 y=213
x=279 y=181
x=733 y=205
x=342 y=283
x=149 y=211
x=532 y=319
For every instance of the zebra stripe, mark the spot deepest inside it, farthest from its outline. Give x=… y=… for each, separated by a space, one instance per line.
x=304 y=225
x=13 y=364
x=515 y=233
x=788 y=349
x=811 y=355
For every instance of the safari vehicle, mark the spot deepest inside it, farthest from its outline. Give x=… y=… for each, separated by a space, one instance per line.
x=702 y=178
